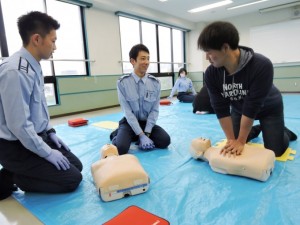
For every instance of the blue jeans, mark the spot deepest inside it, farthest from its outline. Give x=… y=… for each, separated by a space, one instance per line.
x=273 y=130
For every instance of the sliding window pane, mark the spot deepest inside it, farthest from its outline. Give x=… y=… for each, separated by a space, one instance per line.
x=166 y=83
x=50 y=94
x=130 y=36
x=164 y=37
x=149 y=39
x=69 y=42
x=47 y=68
x=178 y=49
x=127 y=67
x=12 y=10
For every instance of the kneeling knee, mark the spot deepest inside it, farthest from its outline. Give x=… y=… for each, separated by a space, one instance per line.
x=164 y=143
x=72 y=184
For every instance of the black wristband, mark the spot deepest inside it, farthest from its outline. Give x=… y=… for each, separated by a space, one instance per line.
x=50 y=131
x=147 y=134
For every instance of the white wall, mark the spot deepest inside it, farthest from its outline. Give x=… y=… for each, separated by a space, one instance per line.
x=246 y=22
x=195 y=57
x=104 y=37
x=138 y=10
x=104 y=44
x=103 y=32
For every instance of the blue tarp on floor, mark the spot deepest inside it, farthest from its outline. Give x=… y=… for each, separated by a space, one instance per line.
x=183 y=190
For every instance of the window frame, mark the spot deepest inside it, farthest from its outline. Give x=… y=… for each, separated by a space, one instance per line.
x=157 y=24
x=52 y=79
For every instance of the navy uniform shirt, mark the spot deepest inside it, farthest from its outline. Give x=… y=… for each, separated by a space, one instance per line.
x=23 y=106
x=139 y=100
x=183 y=84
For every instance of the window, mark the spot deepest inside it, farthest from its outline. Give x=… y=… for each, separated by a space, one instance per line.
x=129 y=29
x=148 y=35
x=11 y=14
x=178 y=51
x=50 y=94
x=165 y=43
x=67 y=59
x=71 y=31
x=164 y=37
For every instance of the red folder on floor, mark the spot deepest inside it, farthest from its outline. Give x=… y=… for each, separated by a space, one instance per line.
x=134 y=215
x=77 y=122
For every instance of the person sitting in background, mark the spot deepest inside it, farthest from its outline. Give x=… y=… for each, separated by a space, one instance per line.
x=139 y=96
x=183 y=86
x=33 y=157
x=201 y=103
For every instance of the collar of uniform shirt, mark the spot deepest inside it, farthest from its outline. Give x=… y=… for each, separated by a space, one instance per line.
x=32 y=61
x=137 y=78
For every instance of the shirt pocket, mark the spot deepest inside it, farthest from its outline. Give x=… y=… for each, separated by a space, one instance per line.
x=133 y=101
x=149 y=100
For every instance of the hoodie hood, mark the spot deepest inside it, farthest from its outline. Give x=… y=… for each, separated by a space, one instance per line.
x=245 y=57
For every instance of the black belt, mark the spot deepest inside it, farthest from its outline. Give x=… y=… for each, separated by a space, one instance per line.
x=42 y=133
x=47 y=132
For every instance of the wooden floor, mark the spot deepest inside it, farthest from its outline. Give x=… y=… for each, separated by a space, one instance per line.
x=11 y=211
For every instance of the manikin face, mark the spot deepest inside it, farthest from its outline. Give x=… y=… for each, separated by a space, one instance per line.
x=47 y=45
x=216 y=57
x=141 y=63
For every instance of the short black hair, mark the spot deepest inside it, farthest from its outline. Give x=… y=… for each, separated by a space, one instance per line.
x=136 y=49
x=214 y=35
x=35 y=22
x=182 y=70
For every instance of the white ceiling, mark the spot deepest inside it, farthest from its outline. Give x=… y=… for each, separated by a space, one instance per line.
x=179 y=8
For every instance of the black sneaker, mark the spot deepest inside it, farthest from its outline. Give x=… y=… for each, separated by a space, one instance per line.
x=291 y=134
x=7 y=187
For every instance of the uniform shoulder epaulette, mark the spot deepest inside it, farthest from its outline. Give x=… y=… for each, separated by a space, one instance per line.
x=3 y=63
x=153 y=77
x=23 y=65
x=124 y=76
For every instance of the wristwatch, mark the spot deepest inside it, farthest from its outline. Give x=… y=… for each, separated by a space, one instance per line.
x=147 y=134
x=50 y=131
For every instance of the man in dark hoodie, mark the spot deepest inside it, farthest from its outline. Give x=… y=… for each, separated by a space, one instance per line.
x=241 y=90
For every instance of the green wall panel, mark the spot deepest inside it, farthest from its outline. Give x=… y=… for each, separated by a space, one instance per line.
x=84 y=102
x=284 y=71
x=77 y=94
x=287 y=78
x=70 y=85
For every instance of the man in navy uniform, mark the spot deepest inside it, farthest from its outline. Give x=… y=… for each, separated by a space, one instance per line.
x=32 y=156
x=139 y=95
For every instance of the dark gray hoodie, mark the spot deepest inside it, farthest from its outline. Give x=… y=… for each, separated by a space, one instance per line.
x=249 y=91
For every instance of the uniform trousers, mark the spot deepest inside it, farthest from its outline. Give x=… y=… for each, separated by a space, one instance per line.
x=185 y=97
x=124 y=135
x=32 y=173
